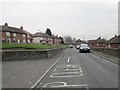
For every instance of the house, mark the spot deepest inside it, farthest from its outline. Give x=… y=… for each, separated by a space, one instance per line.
x=40 y=37
x=114 y=42
x=29 y=35
x=13 y=34
x=99 y=42
x=78 y=42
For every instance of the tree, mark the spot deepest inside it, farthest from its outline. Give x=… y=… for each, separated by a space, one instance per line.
x=48 y=31
x=68 y=39
x=62 y=41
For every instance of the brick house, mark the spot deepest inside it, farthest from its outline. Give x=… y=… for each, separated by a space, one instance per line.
x=114 y=42
x=56 y=40
x=40 y=37
x=78 y=42
x=29 y=35
x=99 y=42
x=12 y=34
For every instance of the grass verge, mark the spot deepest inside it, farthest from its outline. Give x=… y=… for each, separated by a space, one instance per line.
x=28 y=46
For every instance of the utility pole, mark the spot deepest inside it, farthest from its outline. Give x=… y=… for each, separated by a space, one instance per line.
x=83 y=37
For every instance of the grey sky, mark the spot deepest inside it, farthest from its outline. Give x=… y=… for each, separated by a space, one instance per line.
x=93 y=19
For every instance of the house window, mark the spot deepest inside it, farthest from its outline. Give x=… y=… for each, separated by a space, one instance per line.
x=7 y=33
x=14 y=34
x=24 y=41
x=28 y=41
x=14 y=40
x=3 y=39
x=28 y=35
x=23 y=35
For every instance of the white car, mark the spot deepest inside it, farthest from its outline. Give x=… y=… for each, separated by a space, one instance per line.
x=71 y=46
x=78 y=46
x=84 y=48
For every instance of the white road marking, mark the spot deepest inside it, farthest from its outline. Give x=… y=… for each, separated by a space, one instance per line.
x=68 y=66
x=74 y=71
x=80 y=69
x=67 y=76
x=81 y=85
x=38 y=81
x=66 y=73
x=68 y=61
x=64 y=84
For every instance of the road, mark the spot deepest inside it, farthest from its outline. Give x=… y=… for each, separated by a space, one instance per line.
x=69 y=69
x=81 y=70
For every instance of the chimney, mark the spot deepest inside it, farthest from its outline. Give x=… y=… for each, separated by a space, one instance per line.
x=6 y=24
x=21 y=27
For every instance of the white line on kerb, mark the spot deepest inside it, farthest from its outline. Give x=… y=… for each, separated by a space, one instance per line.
x=68 y=60
x=39 y=80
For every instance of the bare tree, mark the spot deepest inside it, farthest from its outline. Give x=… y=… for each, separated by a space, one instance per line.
x=68 y=39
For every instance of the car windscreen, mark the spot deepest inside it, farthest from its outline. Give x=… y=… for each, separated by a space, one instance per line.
x=84 y=45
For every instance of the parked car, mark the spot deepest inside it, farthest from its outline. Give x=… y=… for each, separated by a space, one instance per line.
x=71 y=46
x=78 y=46
x=84 y=48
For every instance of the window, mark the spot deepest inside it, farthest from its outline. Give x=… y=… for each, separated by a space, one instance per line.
x=23 y=35
x=14 y=34
x=7 y=33
x=14 y=40
x=28 y=35
x=24 y=41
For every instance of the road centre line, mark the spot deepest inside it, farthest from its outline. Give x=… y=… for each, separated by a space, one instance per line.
x=68 y=60
x=40 y=79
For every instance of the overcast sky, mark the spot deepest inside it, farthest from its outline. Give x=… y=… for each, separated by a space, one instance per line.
x=91 y=18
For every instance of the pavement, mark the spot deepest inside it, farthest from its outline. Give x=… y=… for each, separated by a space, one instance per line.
x=24 y=73
x=106 y=56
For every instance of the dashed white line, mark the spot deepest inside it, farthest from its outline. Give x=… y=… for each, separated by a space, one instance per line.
x=68 y=61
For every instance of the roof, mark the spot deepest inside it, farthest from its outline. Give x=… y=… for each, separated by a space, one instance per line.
x=26 y=32
x=39 y=34
x=115 y=39
x=91 y=41
x=12 y=29
x=98 y=40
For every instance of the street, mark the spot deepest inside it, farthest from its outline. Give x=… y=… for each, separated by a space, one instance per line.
x=71 y=70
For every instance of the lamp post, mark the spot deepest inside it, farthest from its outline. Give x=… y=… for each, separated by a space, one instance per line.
x=83 y=37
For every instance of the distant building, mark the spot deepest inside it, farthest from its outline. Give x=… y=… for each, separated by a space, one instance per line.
x=78 y=42
x=40 y=37
x=99 y=42
x=114 y=42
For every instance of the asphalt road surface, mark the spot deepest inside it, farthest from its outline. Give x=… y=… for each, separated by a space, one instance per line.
x=81 y=70
x=70 y=69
